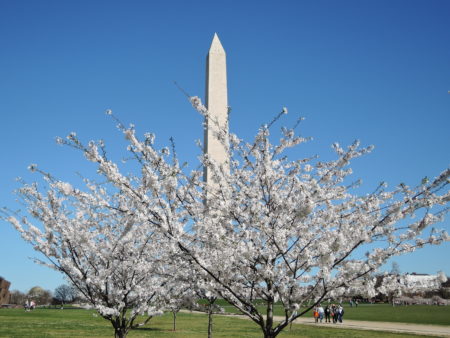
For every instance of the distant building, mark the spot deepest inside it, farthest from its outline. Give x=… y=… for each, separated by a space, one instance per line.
x=5 y=296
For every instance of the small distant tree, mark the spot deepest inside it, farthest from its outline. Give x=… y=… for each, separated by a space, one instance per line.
x=46 y=298
x=180 y=286
x=176 y=302
x=18 y=297
x=65 y=294
x=211 y=307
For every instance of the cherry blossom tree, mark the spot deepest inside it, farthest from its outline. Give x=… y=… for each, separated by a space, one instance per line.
x=294 y=232
x=207 y=301
x=181 y=286
x=184 y=298
x=110 y=253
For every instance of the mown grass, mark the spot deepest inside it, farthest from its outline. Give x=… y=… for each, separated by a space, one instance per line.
x=84 y=323
x=417 y=314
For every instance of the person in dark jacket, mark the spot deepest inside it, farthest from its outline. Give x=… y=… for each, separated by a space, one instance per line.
x=327 y=314
x=340 y=313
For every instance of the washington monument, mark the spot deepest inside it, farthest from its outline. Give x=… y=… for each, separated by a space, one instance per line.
x=216 y=97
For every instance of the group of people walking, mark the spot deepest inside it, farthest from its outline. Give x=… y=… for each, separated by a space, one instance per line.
x=330 y=313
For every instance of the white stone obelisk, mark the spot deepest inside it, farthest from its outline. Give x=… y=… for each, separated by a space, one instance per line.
x=217 y=105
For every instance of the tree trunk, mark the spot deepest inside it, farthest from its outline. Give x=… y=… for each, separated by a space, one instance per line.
x=174 y=320
x=120 y=329
x=120 y=332
x=269 y=319
x=269 y=334
x=211 y=301
x=210 y=321
x=268 y=330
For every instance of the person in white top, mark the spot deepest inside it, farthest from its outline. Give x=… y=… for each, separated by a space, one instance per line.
x=321 y=312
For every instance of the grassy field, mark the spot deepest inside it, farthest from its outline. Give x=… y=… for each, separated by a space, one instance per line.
x=417 y=314
x=84 y=323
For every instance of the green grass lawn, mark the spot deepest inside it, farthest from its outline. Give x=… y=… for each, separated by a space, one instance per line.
x=417 y=314
x=84 y=323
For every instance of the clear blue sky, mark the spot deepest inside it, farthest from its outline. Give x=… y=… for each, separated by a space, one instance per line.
x=378 y=71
